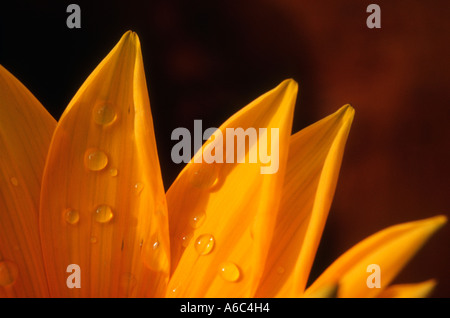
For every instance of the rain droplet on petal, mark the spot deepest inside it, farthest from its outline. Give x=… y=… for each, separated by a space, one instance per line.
x=138 y=188
x=175 y=287
x=185 y=240
x=72 y=216
x=198 y=219
x=113 y=172
x=204 y=244
x=95 y=160
x=229 y=271
x=155 y=257
x=104 y=114
x=103 y=213
x=203 y=175
x=14 y=181
x=93 y=239
x=8 y=273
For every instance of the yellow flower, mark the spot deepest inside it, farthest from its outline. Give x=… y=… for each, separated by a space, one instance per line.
x=88 y=191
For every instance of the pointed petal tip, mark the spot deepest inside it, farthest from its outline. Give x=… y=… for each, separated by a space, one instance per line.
x=436 y=222
x=289 y=84
x=130 y=38
x=347 y=110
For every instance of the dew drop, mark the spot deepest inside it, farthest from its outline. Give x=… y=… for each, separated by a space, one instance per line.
x=104 y=114
x=8 y=273
x=103 y=214
x=138 y=188
x=155 y=255
x=175 y=287
x=113 y=172
x=93 y=239
x=229 y=271
x=204 y=244
x=72 y=216
x=185 y=240
x=14 y=181
x=198 y=219
x=95 y=160
x=203 y=175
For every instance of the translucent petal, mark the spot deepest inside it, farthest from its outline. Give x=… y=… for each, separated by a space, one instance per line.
x=315 y=156
x=237 y=203
x=390 y=249
x=418 y=290
x=103 y=165
x=25 y=132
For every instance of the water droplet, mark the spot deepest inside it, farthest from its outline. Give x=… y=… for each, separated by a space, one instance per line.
x=198 y=219
x=229 y=271
x=93 y=239
x=103 y=214
x=204 y=244
x=72 y=216
x=175 y=287
x=203 y=175
x=113 y=172
x=185 y=240
x=95 y=160
x=280 y=270
x=138 y=188
x=8 y=273
x=104 y=114
x=14 y=181
x=155 y=256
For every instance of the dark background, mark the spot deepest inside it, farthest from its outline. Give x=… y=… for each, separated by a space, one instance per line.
x=207 y=59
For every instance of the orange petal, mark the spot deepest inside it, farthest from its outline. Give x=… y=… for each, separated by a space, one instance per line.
x=25 y=132
x=418 y=290
x=326 y=291
x=315 y=156
x=390 y=249
x=222 y=214
x=102 y=195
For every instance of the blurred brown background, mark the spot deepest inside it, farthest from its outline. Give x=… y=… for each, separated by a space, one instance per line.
x=206 y=60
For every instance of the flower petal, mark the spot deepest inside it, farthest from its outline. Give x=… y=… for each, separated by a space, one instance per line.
x=225 y=212
x=390 y=249
x=418 y=290
x=102 y=195
x=326 y=291
x=25 y=132
x=315 y=156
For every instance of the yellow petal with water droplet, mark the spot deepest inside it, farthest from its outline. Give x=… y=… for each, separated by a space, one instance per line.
x=25 y=132
x=103 y=146
x=390 y=249
x=240 y=202
x=417 y=290
x=315 y=156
